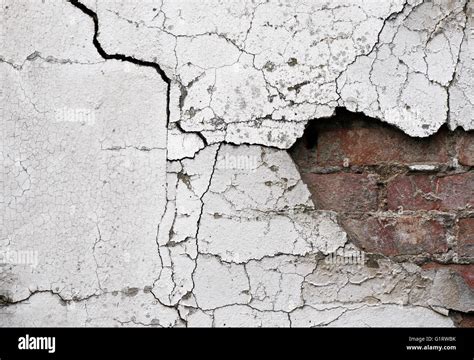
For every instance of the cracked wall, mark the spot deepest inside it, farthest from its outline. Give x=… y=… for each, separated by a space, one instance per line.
x=146 y=180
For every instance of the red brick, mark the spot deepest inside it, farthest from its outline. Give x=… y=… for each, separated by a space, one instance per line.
x=305 y=158
x=429 y=192
x=456 y=191
x=466 y=271
x=466 y=149
x=465 y=238
x=392 y=235
x=412 y=193
x=377 y=145
x=463 y=320
x=343 y=192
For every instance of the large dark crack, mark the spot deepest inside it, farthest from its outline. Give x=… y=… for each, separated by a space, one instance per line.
x=122 y=57
x=139 y=62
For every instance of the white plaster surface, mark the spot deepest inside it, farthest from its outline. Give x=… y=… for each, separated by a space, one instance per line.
x=199 y=217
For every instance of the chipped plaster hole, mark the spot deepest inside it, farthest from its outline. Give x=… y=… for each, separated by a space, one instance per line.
x=408 y=198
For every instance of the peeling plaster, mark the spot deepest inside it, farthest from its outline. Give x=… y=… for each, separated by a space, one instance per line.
x=144 y=148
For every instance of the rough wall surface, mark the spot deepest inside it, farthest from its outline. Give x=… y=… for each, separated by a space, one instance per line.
x=146 y=180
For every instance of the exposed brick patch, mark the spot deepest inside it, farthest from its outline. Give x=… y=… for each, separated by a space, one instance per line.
x=398 y=235
x=465 y=237
x=395 y=195
x=344 y=192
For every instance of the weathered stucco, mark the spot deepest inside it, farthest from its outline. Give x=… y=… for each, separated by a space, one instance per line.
x=145 y=163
